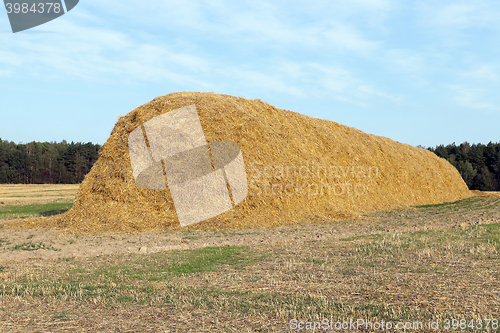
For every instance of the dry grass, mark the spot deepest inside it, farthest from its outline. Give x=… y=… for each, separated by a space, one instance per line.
x=22 y=201
x=20 y=194
x=350 y=172
x=486 y=194
x=419 y=264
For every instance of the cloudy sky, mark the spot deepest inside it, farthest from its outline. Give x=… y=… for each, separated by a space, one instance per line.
x=419 y=72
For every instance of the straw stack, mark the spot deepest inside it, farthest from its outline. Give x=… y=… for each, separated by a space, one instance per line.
x=299 y=169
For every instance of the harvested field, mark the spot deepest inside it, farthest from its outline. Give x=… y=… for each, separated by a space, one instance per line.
x=20 y=194
x=22 y=201
x=298 y=168
x=419 y=264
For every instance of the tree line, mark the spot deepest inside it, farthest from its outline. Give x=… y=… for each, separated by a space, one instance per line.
x=68 y=163
x=478 y=164
x=46 y=162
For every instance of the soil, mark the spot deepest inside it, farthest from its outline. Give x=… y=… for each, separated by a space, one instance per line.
x=29 y=252
x=19 y=245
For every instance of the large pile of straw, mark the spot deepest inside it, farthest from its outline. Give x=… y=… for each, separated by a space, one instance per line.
x=298 y=169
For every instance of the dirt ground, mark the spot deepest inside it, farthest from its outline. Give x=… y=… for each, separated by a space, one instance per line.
x=293 y=273
x=18 y=245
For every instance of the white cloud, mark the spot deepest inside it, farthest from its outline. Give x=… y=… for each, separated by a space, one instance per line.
x=263 y=23
x=98 y=54
x=406 y=61
x=472 y=98
x=81 y=50
x=5 y=73
x=343 y=85
x=369 y=91
x=347 y=38
x=305 y=80
x=115 y=52
x=482 y=72
x=8 y=58
x=268 y=82
x=454 y=17
x=412 y=65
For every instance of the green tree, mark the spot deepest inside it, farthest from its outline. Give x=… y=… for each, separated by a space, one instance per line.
x=19 y=162
x=483 y=181
x=467 y=172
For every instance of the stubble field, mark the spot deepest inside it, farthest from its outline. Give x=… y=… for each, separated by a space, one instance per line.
x=411 y=266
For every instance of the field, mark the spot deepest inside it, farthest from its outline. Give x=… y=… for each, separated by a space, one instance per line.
x=21 y=201
x=43 y=193
x=413 y=266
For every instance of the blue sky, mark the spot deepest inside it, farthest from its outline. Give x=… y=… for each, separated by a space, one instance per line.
x=419 y=72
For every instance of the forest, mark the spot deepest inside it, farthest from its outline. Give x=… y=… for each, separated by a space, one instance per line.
x=46 y=162
x=478 y=164
x=68 y=163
